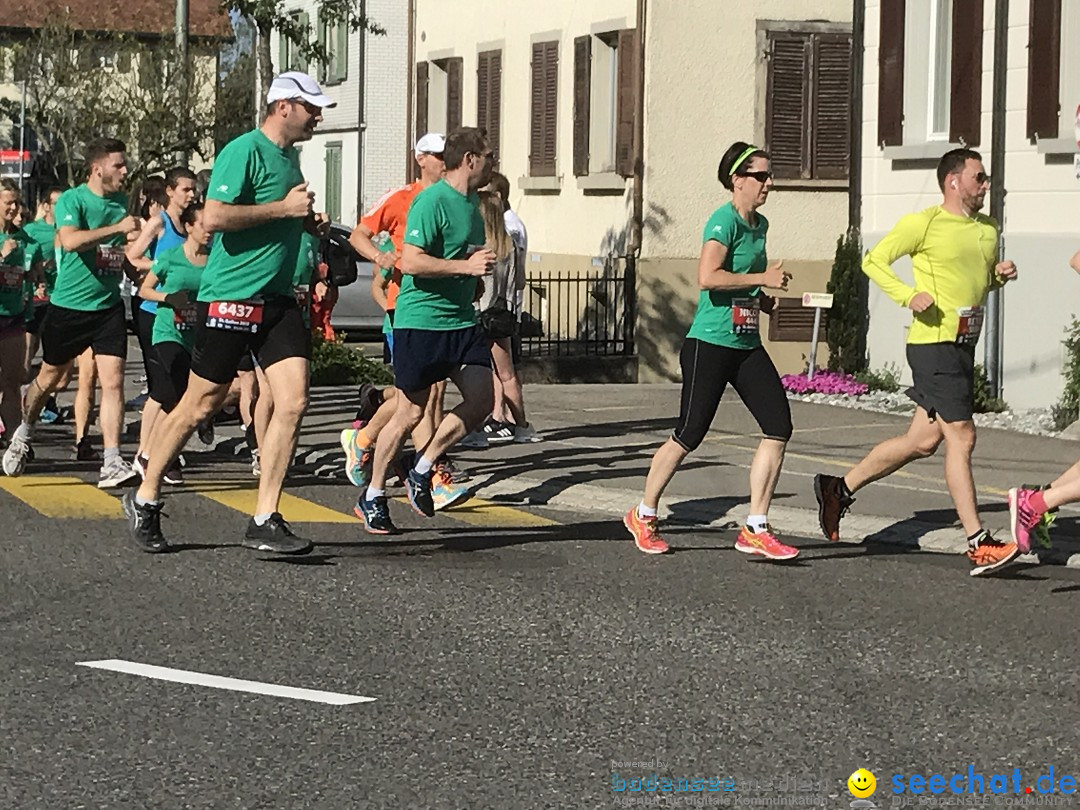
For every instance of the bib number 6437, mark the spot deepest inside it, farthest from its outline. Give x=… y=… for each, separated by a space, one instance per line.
x=235 y=316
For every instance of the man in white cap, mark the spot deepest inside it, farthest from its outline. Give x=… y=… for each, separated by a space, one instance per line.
x=388 y=216
x=259 y=203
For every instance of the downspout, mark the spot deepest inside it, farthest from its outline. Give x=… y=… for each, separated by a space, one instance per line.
x=410 y=93
x=858 y=34
x=995 y=305
x=637 y=222
x=361 y=124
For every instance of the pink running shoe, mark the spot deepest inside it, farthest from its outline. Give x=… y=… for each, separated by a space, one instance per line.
x=1022 y=517
x=646 y=537
x=764 y=544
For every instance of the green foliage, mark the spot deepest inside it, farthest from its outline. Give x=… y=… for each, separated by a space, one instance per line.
x=886 y=379
x=845 y=330
x=985 y=402
x=335 y=363
x=1065 y=412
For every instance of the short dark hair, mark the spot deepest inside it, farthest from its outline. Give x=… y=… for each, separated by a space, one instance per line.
x=727 y=162
x=174 y=175
x=954 y=161
x=462 y=141
x=46 y=195
x=101 y=148
x=501 y=186
x=7 y=184
x=187 y=216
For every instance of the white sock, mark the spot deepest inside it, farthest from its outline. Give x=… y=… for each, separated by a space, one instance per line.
x=644 y=511
x=423 y=466
x=261 y=519
x=23 y=432
x=757 y=523
x=141 y=501
x=111 y=453
x=373 y=493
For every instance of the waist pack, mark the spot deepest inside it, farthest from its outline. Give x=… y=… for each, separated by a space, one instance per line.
x=498 y=322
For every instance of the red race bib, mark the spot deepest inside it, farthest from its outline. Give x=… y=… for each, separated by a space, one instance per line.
x=110 y=260
x=970 y=326
x=745 y=316
x=235 y=316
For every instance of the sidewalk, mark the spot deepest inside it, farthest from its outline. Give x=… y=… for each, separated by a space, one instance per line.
x=599 y=440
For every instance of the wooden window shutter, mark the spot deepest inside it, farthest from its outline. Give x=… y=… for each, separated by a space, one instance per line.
x=790 y=321
x=965 y=102
x=301 y=64
x=582 y=91
x=489 y=96
x=831 y=129
x=543 y=120
x=1044 y=69
x=482 y=91
x=626 y=109
x=787 y=114
x=454 y=69
x=421 y=111
x=891 y=74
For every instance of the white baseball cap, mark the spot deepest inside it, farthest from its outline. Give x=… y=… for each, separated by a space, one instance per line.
x=431 y=144
x=293 y=85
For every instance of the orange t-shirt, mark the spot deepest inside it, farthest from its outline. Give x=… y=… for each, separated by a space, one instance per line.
x=389 y=215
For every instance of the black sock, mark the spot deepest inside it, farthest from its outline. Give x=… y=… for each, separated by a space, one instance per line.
x=978 y=537
x=844 y=491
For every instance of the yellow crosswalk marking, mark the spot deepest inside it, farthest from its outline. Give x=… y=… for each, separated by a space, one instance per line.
x=295 y=510
x=479 y=512
x=61 y=497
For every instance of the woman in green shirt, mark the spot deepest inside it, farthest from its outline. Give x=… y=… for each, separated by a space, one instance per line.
x=15 y=286
x=724 y=346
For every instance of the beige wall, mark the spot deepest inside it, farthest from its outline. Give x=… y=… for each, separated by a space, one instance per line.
x=1042 y=208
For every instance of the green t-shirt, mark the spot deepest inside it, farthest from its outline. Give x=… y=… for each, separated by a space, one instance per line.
x=175 y=273
x=90 y=279
x=446 y=224
x=43 y=235
x=14 y=282
x=258 y=261
x=730 y=318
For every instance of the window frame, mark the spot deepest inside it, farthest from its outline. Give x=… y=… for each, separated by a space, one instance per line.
x=333 y=200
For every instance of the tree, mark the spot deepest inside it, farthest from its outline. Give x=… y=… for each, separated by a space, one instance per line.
x=269 y=16
x=845 y=330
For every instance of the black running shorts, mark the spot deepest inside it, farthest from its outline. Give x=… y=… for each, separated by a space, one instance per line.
x=423 y=357
x=67 y=333
x=37 y=320
x=281 y=334
x=169 y=373
x=943 y=380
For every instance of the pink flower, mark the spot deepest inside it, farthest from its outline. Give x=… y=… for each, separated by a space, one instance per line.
x=824 y=382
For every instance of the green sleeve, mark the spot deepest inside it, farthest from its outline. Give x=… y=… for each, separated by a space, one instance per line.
x=159 y=269
x=229 y=179
x=422 y=225
x=720 y=227
x=903 y=240
x=68 y=211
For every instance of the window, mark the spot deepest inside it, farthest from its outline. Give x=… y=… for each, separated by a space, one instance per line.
x=940 y=71
x=807 y=112
x=1053 y=71
x=489 y=96
x=438 y=95
x=543 y=128
x=288 y=53
x=334 y=38
x=605 y=91
x=333 y=181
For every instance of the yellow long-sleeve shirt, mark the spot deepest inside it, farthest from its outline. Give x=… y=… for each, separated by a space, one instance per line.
x=953 y=258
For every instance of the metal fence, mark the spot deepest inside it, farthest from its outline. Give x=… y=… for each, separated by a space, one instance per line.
x=573 y=314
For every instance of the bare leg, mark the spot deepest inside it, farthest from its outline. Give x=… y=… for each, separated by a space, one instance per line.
x=264 y=408
x=764 y=473
x=476 y=384
x=425 y=430
x=507 y=384
x=150 y=412
x=661 y=470
x=111 y=372
x=84 y=394
x=408 y=412
x=921 y=441
x=959 y=444
x=287 y=382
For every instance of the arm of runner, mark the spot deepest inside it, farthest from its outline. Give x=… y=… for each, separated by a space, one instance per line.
x=415 y=262
x=360 y=239
x=713 y=276
x=147 y=291
x=379 y=283
x=1074 y=262
x=135 y=252
x=903 y=240
x=223 y=217
x=75 y=241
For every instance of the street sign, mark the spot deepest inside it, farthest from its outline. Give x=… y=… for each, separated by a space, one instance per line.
x=819 y=300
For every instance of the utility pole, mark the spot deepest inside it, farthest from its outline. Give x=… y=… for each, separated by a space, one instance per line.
x=182 y=58
x=993 y=345
x=22 y=135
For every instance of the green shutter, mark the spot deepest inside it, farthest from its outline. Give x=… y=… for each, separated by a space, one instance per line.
x=333 y=181
x=341 y=52
x=305 y=28
x=283 y=53
x=324 y=44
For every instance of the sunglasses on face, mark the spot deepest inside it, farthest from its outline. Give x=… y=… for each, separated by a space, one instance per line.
x=761 y=177
x=982 y=177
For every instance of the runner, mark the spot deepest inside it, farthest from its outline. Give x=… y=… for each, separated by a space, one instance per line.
x=954 y=252
x=42 y=231
x=17 y=258
x=435 y=330
x=724 y=347
x=258 y=204
x=162 y=232
x=85 y=310
x=388 y=216
x=172 y=284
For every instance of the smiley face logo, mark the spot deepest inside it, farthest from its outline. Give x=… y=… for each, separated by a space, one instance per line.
x=862 y=784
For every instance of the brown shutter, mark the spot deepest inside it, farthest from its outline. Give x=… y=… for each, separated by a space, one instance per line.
x=482 y=89
x=489 y=91
x=626 y=109
x=787 y=118
x=965 y=101
x=543 y=118
x=421 y=99
x=454 y=70
x=1044 y=69
x=891 y=74
x=582 y=89
x=832 y=106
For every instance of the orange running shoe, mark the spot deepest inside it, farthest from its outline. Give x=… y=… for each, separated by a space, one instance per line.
x=764 y=544
x=646 y=537
x=990 y=555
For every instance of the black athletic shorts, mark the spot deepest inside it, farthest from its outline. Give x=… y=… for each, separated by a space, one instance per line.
x=281 y=334
x=169 y=374
x=67 y=333
x=423 y=357
x=247 y=363
x=37 y=320
x=943 y=380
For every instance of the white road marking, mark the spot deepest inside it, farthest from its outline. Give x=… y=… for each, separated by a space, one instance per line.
x=219 y=682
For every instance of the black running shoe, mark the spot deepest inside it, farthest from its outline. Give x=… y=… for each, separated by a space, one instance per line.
x=276 y=536
x=375 y=513
x=418 y=487
x=144 y=524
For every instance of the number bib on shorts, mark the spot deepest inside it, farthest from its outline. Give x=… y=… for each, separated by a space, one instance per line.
x=303 y=300
x=185 y=317
x=235 y=316
x=970 y=326
x=745 y=316
x=110 y=260
x=11 y=277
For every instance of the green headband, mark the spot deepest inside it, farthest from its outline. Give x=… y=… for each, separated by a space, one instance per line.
x=747 y=153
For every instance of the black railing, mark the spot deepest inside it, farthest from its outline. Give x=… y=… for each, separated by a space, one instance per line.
x=578 y=313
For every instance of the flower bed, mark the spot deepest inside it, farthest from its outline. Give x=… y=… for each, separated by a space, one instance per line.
x=824 y=382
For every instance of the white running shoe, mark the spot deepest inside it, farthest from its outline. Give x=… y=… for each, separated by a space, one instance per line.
x=115 y=473
x=17 y=454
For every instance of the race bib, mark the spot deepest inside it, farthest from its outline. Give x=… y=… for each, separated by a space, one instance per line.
x=303 y=301
x=185 y=317
x=235 y=316
x=970 y=326
x=110 y=260
x=745 y=316
x=11 y=277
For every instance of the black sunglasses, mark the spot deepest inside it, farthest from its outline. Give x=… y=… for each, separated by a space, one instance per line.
x=761 y=177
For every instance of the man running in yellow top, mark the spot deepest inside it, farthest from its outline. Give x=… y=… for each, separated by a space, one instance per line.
x=954 y=251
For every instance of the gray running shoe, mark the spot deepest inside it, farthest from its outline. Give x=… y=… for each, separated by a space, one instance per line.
x=115 y=473
x=18 y=453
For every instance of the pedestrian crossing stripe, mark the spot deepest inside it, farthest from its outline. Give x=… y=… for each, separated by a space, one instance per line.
x=63 y=497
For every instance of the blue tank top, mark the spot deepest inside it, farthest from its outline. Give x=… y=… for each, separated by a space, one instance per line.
x=170 y=238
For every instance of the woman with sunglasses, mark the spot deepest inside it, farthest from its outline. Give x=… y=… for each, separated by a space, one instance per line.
x=724 y=346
